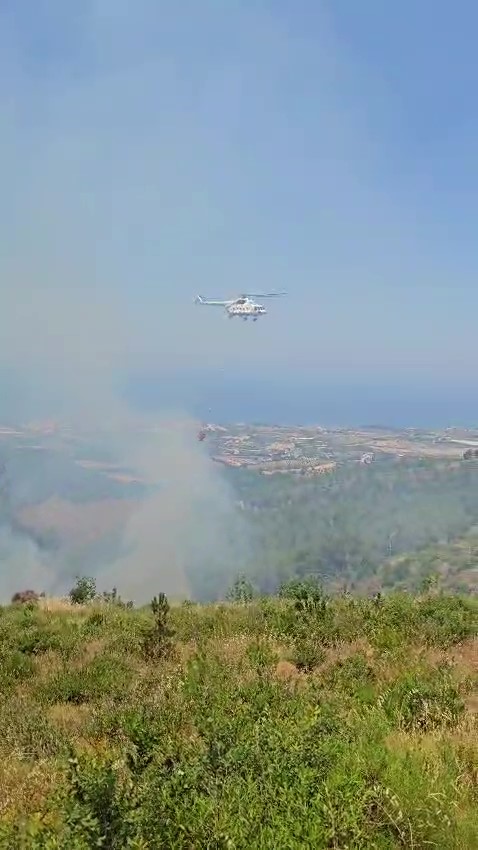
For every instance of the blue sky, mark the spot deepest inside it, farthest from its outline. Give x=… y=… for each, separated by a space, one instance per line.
x=152 y=150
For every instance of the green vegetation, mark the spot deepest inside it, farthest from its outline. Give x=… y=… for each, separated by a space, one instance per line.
x=452 y=565
x=83 y=591
x=348 y=526
x=295 y=721
x=389 y=524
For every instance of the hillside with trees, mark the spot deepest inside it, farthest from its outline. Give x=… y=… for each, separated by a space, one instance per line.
x=353 y=526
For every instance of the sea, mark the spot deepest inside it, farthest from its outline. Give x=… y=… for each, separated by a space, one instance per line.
x=282 y=398
x=295 y=401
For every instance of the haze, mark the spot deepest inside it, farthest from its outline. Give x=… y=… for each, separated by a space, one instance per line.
x=149 y=151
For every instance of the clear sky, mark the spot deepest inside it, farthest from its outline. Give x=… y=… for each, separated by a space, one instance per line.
x=153 y=149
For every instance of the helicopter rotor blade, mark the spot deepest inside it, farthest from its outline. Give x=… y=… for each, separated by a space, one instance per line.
x=263 y=294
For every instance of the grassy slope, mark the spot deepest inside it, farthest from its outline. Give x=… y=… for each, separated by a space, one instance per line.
x=454 y=564
x=263 y=725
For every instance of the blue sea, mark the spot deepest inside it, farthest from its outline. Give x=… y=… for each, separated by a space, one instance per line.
x=328 y=403
x=277 y=398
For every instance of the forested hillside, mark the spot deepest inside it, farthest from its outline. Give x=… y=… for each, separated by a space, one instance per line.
x=387 y=524
x=348 y=527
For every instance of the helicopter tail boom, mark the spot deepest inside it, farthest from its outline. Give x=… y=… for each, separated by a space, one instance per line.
x=200 y=299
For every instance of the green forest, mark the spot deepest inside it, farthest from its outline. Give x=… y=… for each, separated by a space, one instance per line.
x=355 y=525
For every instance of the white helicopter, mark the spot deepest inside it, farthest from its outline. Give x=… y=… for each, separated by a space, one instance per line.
x=244 y=306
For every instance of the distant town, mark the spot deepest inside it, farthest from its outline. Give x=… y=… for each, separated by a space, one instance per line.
x=273 y=449
x=317 y=451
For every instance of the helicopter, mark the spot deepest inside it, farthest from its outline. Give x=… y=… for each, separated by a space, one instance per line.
x=244 y=306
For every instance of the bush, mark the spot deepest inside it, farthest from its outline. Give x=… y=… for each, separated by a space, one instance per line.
x=84 y=590
x=308 y=653
x=103 y=677
x=157 y=641
x=112 y=597
x=423 y=701
x=241 y=590
x=23 y=596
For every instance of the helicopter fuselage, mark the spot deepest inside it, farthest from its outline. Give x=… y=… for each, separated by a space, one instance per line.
x=246 y=310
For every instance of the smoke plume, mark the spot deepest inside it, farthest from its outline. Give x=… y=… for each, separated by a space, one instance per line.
x=94 y=185
x=190 y=530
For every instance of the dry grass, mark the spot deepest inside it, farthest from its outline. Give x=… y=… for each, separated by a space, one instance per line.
x=71 y=719
x=471 y=703
x=185 y=651
x=344 y=650
x=289 y=675
x=232 y=650
x=466 y=655
x=90 y=650
x=47 y=664
x=25 y=785
x=463 y=738
x=61 y=604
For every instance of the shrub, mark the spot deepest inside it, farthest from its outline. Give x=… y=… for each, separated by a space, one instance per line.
x=105 y=676
x=157 y=641
x=23 y=596
x=83 y=591
x=241 y=590
x=112 y=597
x=423 y=700
x=308 y=653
